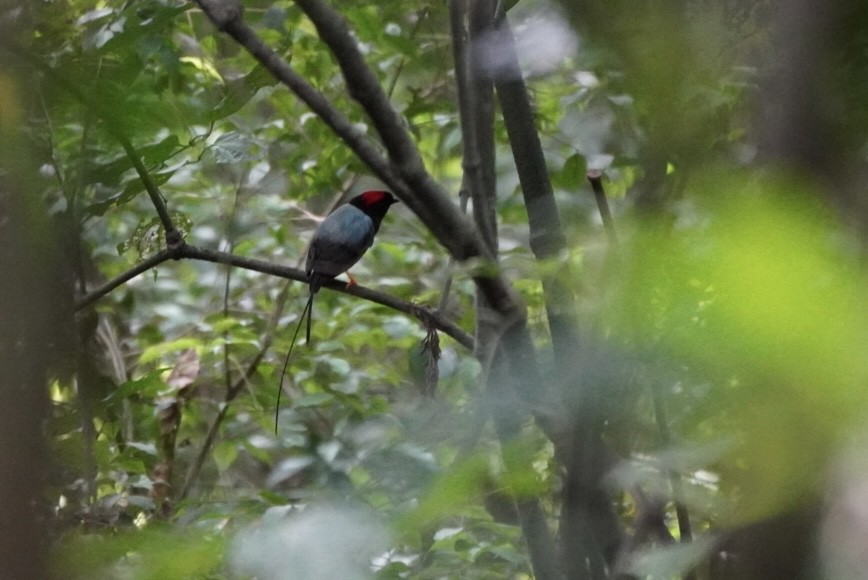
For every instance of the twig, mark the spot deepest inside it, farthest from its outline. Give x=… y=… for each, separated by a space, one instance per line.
x=227 y=282
x=595 y=178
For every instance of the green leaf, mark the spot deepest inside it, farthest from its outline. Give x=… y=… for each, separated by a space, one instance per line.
x=233 y=147
x=225 y=453
x=573 y=176
x=148 y=387
x=159 y=351
x=238 y=93
x=147 y=448
x=157 y=553
x=461 y=486
x=313 y=400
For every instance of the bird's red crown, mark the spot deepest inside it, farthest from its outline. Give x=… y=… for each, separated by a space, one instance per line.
x=372 y=197
x=374 y=203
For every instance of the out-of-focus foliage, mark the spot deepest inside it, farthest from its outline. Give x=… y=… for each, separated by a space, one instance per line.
x=734 y=300
x=758 y=297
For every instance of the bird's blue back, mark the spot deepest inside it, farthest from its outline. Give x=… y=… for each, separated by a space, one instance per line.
x=348 y=224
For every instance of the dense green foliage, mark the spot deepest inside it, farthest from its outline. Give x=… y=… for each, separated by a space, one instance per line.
x=722 y=335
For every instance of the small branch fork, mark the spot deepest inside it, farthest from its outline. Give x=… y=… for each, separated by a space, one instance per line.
x=174 y=238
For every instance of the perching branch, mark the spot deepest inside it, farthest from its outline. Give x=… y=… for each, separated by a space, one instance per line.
x=186 y=251
x=405 y=173
x=420 y=312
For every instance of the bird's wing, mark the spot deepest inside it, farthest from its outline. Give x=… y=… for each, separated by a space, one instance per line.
x=330 y=258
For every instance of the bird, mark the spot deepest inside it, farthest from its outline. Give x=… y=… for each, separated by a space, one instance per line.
x=338 y=243
x=342 y=239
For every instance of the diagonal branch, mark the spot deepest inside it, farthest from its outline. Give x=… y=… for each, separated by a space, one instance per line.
x=363 y=85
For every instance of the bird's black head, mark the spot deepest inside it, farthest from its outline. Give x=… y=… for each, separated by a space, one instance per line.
x=374 y=203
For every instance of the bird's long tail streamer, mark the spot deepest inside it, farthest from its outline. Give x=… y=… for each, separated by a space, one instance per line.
x=308 y=308
x=309 y=317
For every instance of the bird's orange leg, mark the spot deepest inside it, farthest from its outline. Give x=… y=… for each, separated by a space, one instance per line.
x=352 y=281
